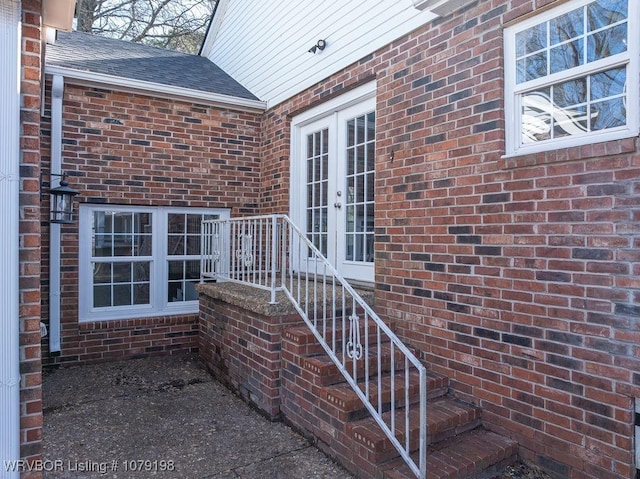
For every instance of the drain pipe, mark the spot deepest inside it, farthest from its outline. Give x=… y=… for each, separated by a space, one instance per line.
x=9 y=250
x=57 y=90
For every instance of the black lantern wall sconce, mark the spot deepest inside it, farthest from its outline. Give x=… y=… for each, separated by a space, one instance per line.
x=61 y=200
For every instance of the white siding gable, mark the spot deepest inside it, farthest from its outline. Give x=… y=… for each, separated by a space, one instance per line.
x=263 y=44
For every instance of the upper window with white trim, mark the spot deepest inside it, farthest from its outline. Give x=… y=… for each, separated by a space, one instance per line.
x=139 y=261
x=571 y=76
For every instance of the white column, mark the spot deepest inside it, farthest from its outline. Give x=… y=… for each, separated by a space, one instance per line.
x=9 y=206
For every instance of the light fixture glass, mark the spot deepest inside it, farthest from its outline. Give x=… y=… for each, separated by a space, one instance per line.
x=62 y=202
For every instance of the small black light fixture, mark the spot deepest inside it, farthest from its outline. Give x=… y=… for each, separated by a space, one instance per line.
x=320 y=45
x=62 y=201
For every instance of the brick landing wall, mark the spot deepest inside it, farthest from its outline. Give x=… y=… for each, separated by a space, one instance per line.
x=240 y=343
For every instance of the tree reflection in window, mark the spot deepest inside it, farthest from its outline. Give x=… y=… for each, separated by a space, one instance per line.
x=575 y=101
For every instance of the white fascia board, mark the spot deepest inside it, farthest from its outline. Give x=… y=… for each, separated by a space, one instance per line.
x=81 y=77
x=216 y=22
x=440 y=7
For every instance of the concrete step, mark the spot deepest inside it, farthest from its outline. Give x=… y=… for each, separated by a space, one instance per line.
x=473 y=455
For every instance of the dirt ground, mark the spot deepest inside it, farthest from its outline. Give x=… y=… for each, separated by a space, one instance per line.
x=522 y=471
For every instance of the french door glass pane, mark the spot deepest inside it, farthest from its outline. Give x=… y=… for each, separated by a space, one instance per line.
x=317 y=188
x=360 y=157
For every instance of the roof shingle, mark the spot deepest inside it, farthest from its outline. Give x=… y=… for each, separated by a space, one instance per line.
x=119 y=58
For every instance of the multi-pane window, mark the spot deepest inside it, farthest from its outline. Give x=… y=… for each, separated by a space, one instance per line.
x=317 y=188
x=571 y=76
x=183 y=255
x=361 y=136
x=122 y=256
x=139 y=261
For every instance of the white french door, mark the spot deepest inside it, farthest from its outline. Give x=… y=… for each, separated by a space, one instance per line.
x=333 y=189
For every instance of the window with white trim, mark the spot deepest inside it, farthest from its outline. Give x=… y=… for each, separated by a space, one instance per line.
x=139 y=261
x=571 y=76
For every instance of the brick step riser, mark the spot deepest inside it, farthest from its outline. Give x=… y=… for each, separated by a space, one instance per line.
x=348 y=414
x=303 y=335
x=328 y=424
x=446 y=417
x=382 y=450
x=477 y=454
x=314 y=349
x=350 y=407
x=354 y=409
x=327 y=372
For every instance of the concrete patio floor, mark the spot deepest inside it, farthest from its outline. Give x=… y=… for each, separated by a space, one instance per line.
x=165 y=417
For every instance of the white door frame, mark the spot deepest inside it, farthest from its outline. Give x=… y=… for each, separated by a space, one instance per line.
x=328 y=109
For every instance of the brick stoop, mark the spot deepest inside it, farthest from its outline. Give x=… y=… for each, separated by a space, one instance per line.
x=320 y=404
x=477 y=454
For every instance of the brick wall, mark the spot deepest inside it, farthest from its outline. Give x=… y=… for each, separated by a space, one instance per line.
x=126 y=149
x=30 y=257
x=518 y=278
x=240 y=342
x=515 y=277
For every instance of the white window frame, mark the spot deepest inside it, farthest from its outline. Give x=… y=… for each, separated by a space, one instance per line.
x=159 y=271
x=513 y=91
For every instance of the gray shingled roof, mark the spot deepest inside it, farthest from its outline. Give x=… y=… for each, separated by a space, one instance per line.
x=91 y=53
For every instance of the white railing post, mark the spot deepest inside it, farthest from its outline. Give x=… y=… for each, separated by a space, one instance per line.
x=274 y=256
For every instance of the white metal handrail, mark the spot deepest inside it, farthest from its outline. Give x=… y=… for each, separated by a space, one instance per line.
x=270 y=252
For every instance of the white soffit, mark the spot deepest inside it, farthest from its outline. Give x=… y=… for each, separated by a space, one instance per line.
x=58 y=13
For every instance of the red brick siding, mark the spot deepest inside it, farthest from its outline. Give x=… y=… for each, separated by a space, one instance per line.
x=242 y=348
x=30 y=256
x=515 y=277
x=518 y=278
x=121 y=148
x=143 y=337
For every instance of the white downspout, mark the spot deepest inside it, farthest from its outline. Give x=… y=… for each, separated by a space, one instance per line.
x=9 y=245
x=57 y=90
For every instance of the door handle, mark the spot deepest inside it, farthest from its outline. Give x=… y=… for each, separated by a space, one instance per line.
x=337 y=204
